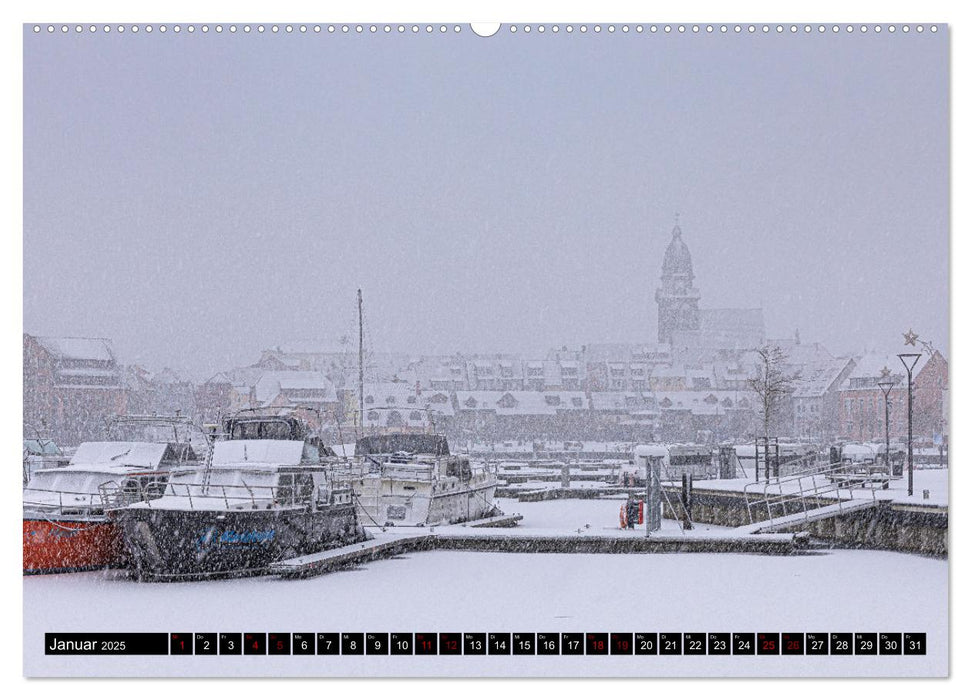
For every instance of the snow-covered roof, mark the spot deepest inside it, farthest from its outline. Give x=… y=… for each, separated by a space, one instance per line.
x=620 y=401
x=816 y=378
x=219 y=378
x=801 y=353
x=313 y=386
x=403 y=397
x=68 y=372
x=79 y=348
x=703 y=402
x=521 y=403
x=136 y=454
x=872 y=364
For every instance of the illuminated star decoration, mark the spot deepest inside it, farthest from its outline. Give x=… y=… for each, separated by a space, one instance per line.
x=910 y=338
x=884 y=373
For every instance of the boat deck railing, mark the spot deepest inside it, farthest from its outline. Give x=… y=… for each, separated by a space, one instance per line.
x=243 y=497
x=58 y=502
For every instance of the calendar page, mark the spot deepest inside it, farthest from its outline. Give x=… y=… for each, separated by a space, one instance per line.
x=599 y=349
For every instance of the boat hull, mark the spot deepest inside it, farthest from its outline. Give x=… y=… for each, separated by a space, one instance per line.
x=62 y=544
x=193 y=544
x=383 y=502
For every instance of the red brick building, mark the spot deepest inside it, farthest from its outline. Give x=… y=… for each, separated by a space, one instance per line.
x=71 y=387
x=930 y=399
x=862 y=404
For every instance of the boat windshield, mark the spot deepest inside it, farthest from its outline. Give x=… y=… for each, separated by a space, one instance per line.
x=419 y=443
x=263 y=429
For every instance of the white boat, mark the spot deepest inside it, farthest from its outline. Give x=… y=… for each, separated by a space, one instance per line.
x=66 y=526
x=41 y=453
x=413 y=480
x=265 y=493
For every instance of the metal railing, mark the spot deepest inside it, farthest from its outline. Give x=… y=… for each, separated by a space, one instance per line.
x=801 y=493
x=78 y=502
x=114 y=495
x=238 y=497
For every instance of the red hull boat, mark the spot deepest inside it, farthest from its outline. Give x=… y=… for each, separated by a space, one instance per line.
x=52 y=546
x=66 y=527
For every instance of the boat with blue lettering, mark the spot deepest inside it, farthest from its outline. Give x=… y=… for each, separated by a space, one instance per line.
x=267 y=491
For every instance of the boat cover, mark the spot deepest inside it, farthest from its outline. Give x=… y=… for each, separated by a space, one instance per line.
x=134 y=454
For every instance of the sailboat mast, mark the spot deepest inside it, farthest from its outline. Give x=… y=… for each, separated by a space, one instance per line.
x=360 y=356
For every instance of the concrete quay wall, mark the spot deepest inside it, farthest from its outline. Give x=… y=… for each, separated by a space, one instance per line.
x=893 y=526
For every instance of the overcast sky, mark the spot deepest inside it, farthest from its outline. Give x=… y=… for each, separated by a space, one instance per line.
x=197 y=198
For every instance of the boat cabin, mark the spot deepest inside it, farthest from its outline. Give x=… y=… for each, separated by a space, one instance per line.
x=104 y=474
x=404 y=443
x=413 y=455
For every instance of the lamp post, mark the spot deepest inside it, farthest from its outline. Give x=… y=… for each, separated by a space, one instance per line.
x=886 y=384
x=909 y=360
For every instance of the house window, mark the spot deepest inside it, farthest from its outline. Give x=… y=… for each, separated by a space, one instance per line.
x=372 y=415
x=577 y=401
x=412 y=399
x=415 y=415
x=368 y=399
x=552 y=400
x=471 y=402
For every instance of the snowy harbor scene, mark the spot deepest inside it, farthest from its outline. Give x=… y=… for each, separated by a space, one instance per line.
x=552 y=351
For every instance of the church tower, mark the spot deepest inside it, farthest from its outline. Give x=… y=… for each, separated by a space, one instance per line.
x=677 y=299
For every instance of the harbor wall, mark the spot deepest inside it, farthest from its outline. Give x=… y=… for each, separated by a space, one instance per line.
x=893 y=526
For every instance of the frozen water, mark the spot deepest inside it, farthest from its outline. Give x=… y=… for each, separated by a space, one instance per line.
x=439 y=591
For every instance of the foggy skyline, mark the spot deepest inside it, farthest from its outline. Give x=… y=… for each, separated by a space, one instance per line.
x=200 y=198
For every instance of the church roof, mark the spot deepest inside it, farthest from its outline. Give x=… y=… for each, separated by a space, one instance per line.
x=677 y=258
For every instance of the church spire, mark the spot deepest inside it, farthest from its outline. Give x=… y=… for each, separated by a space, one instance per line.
x=677 y=299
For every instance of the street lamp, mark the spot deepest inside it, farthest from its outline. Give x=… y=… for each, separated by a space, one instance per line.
x=886 y=384
x=909 y=360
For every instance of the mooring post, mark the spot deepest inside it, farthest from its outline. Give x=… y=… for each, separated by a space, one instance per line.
x=686 y=486
x=653 y=495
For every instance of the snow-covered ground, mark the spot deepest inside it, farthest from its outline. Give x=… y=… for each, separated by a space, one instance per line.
x=935 y=481
x=602 y=515
x=450 y=591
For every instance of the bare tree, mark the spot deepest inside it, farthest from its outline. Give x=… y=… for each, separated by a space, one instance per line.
x=771 y=383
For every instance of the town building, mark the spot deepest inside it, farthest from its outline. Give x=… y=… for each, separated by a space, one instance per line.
x=696 y=334
x=861 y=400
x=71 y=387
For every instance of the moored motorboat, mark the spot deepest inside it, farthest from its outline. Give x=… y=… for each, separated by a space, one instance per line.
x=265 y=493
x=412 y=479
x=65 y=524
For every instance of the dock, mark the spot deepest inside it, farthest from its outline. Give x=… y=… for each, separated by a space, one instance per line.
x=500 y=535
x=809 y=516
